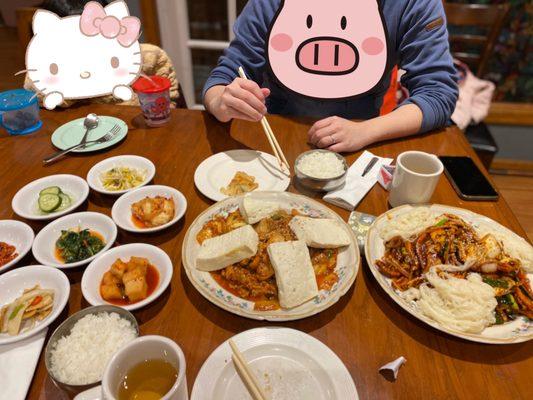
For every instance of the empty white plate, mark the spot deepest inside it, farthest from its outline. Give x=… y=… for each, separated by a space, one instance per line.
x=19 y=235
x=13 y=283
x=45 y=241
x=90 y=282
x=289 y=365
x=122 y=214
x=136 y=162
x=25 y=202
x=217 y=171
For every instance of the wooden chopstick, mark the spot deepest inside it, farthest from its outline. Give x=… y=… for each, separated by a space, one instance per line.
x=247 y=376
x=276 y=148
x=275 y=140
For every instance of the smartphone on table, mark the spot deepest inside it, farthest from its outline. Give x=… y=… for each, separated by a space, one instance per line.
x=467 y=180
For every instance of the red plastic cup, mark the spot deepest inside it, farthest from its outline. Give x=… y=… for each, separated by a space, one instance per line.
x=154 y=96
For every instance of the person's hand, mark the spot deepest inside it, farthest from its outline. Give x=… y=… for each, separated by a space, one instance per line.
x=339 y=134
x=242 y=99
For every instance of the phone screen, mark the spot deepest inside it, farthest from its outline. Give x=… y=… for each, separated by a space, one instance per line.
x=467 y=179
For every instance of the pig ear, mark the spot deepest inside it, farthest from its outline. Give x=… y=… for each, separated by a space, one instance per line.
x=44 y=20
x=118 y=9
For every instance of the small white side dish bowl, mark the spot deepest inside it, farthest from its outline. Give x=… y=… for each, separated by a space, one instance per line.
x=121 y=211
x=25 y=202
x=137 y=162
x=45 y=241
x=90 y=282
x=17 y=234
x=13 y=283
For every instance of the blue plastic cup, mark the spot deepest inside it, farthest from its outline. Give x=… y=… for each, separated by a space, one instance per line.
x=19 y=112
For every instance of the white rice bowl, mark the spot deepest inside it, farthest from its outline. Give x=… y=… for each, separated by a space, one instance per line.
x=80 y=357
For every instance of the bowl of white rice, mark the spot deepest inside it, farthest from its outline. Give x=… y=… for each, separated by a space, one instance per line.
x=80 y=348
x=321 y=170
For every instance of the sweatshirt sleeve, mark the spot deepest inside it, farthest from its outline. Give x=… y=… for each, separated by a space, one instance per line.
x=248 y=47
x=425 y=56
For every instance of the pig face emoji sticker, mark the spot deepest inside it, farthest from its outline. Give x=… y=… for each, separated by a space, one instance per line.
x=331 y=49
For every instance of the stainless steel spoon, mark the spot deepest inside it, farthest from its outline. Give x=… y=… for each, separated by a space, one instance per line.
x=90 y=122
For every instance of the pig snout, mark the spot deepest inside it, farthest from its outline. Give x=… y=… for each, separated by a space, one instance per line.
x=327 y=56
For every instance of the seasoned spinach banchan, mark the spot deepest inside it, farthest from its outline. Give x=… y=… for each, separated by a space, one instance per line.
x=78 y=244
x=253 y=278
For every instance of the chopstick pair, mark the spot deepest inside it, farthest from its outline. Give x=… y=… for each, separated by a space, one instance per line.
x=276 y=148
x=247 y=376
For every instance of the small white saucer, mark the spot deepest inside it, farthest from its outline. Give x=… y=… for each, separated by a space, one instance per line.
x=19 y=235
x=137 y=162
x=90 y=282
x=122 y=215
x=13 y=283
x=44 y=244
x=25 y=202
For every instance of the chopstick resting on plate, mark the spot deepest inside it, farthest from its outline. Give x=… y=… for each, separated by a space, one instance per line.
x=276 y=148
x=247 y=376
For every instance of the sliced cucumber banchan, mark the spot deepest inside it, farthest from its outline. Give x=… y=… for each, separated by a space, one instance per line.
x=53 y=199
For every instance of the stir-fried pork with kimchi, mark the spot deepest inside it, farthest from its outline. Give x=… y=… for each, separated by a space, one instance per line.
x=253 y=279
x=452 y=241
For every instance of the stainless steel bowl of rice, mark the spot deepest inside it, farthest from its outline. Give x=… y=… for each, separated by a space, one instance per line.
x=321 y=170
x=79 y=349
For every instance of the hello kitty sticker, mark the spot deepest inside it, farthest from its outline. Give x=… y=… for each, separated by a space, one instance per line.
x=83 y=56
x=332 y=49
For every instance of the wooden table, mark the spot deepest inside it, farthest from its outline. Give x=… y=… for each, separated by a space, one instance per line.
x=365 y=328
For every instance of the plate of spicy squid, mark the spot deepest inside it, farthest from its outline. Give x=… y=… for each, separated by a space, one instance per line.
x=458 y=271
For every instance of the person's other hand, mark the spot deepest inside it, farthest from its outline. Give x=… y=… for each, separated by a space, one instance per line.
x=339 y=134
x=242 y=99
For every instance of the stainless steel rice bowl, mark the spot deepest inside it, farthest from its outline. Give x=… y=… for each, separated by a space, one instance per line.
x=65 y=329
x=320 y=184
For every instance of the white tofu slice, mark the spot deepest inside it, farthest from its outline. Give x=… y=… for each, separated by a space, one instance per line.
x=230 y=248
x=320 y=233
x=254 y=210
x=294 y=272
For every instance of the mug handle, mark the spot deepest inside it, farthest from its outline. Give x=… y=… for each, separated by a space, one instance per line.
x=94 y=393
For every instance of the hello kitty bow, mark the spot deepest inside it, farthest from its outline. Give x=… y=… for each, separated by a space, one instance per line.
x=94 y=21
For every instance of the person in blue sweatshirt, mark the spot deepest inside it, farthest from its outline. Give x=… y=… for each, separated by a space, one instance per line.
x=411 y=34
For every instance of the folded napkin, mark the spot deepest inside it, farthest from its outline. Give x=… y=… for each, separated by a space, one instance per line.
x=391 y=369
x=356 y=185
x=17 y=366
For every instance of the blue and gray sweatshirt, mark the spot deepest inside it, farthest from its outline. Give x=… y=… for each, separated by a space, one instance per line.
x=418 y=41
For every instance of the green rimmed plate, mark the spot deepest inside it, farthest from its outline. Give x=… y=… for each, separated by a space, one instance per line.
x=72 y=132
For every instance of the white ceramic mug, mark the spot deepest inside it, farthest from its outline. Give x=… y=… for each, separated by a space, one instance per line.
x=138 y=350
x=415 y=178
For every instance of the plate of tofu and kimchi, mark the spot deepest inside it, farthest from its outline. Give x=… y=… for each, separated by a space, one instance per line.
x=273 y=256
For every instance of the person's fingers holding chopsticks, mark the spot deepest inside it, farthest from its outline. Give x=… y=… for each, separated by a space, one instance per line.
x=236 y=114
x=248 y=96
x=241 y=106
x=253 y=87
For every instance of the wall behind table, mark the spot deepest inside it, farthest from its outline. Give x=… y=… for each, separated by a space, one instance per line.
x=511 y=66
x=514 y=142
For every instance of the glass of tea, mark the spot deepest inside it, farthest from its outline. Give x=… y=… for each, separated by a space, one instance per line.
x=147 y=368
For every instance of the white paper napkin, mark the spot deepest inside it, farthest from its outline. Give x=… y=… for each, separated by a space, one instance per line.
x=394 y=366
x=357 y=186
x=17 y=366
